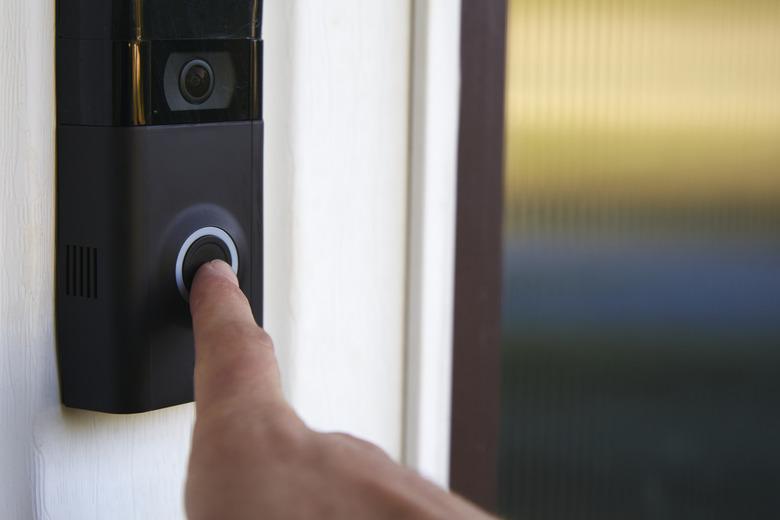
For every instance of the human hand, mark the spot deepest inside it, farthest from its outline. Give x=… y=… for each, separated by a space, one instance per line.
x=252 y=457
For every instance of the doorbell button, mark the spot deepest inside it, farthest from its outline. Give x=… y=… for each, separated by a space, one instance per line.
x=203 y=251
x=204 y=245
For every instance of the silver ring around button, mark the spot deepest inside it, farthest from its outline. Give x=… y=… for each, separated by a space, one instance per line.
x=203 y=232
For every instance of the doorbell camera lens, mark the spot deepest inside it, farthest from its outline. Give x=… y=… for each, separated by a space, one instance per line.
x=196 y=81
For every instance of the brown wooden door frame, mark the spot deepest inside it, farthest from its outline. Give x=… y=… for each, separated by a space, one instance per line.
x=478 y=263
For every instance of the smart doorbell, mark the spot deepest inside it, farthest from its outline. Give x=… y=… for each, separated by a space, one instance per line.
x=159 y=170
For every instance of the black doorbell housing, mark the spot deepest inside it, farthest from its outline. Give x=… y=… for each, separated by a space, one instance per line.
x=159 y=159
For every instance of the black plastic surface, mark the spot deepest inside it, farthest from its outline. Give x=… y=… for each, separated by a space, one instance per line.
x=114 y=60
x=134 y=195
x=159 y=19
x=109 y=83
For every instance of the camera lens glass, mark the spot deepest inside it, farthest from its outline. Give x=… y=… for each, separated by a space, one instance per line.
x=196 y=81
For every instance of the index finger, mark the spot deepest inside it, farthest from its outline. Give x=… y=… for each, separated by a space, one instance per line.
x=235 y=364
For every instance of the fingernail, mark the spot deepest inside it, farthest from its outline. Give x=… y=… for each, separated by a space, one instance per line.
x=222 y=269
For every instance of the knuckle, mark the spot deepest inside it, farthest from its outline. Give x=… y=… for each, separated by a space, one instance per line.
x=289 y=440
x=227 y=288
x=352 y=443
x=238 y=332
x=202 y=291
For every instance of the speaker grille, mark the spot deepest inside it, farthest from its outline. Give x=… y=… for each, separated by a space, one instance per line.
x=81 y=279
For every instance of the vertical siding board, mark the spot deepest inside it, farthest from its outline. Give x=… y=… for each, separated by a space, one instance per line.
x=26 y=211
x=336 y=178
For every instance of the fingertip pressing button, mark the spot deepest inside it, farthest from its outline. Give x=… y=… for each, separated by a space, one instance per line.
x=202 y=246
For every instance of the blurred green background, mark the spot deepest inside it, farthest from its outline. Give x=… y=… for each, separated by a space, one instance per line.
x=641 y=341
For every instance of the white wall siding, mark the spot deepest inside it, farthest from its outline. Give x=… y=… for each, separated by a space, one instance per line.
x=337 y=173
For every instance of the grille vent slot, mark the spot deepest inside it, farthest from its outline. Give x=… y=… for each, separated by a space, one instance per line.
x=81 y=271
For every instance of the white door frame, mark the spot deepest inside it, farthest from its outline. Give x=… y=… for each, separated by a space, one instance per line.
x=433 y=192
